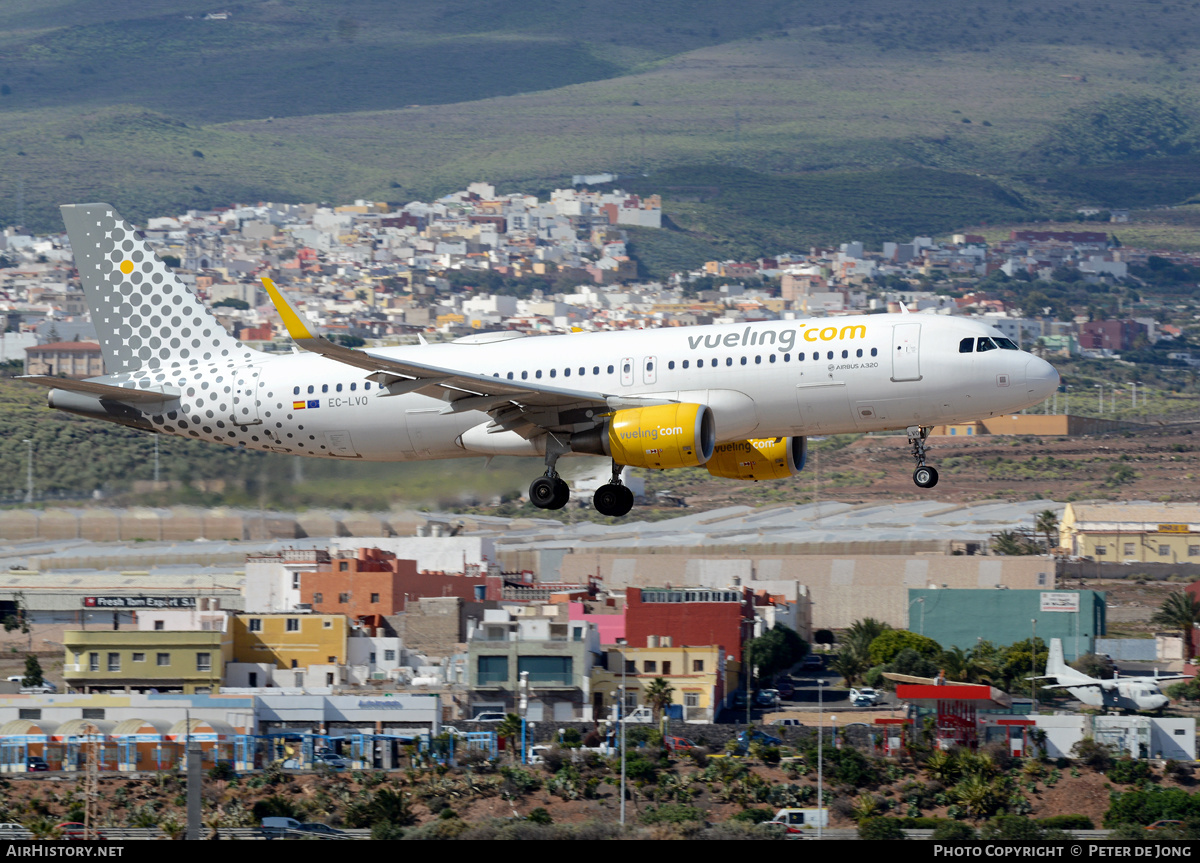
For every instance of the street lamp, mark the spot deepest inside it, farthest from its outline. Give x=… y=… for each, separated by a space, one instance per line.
x=621 y=722
x=820 y=754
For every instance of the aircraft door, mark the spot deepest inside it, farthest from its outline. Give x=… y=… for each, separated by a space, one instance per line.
x=627 y=371
x=906 y=352
x=245 y=398
x=649 y=370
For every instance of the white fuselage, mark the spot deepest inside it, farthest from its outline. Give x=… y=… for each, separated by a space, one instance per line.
x=780 y=378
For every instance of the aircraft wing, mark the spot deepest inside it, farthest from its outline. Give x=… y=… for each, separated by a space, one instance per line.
x=525 y=408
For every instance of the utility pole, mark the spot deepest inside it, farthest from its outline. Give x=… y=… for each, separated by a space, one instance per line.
x=29 y=471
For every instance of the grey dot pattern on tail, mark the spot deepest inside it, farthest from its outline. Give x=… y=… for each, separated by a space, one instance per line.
x=148 y=318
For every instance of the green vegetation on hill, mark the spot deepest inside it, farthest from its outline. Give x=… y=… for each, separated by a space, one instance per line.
x=728 y=212
x=76 y=457
x=291 y=100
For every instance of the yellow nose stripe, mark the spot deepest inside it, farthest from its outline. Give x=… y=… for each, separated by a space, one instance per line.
x=127 y=267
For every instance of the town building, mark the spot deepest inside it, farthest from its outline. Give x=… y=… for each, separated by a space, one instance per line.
x=700 y=679
x=311 y=646
x=180 y=661
x=65 y=359
x=724 y=618
x=538 y=648
x=1140 y=532
x=963 y=618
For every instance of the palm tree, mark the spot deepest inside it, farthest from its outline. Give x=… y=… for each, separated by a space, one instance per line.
x=510 y=730
x=1047 y=524
x=659 y=695
x=1179 y=611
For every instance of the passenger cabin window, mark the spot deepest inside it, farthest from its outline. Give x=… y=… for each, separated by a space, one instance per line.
x=984 y=344
x=966 y=346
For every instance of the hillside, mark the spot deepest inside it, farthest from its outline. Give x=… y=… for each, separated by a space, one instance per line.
x=284 y=101
x=669 y=798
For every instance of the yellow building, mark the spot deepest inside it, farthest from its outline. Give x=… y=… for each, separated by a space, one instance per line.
x=139 y=660
x=290 y=640
x=1132 y=532
x=700 y=676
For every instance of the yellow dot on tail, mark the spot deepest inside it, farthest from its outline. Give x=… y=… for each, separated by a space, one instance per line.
x=127 y=267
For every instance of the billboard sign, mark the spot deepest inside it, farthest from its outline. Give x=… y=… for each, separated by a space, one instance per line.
x=122 y=602
x=1060 y=602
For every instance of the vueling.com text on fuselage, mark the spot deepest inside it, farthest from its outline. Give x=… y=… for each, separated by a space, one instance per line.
x=783 y=340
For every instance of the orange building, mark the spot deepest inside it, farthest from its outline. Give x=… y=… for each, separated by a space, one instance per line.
x=376 y=582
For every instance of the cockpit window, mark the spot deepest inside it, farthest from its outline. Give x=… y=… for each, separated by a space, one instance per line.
x=1006 y=344
x=984 y=344
x=966 y=346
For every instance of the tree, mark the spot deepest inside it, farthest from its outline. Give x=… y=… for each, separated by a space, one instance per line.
x=659 y=696
x=509 y=730
x=231 y=303
x=884 y=648
x=775 y=651
x=33 y=671
x=1011 y=543
x=1179 y=611
x=1047 y=525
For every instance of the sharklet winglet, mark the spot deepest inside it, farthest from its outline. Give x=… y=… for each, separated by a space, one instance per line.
x=297 y=325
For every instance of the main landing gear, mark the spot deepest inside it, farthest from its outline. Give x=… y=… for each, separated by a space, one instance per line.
x=924 y=476
x=613 y=498
x=550 y=491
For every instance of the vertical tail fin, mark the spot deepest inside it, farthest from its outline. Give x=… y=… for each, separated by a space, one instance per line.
x=1055 y=664
x=144 y=316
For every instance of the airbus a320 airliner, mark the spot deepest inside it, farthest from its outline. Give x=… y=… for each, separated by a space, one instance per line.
x=740 y=400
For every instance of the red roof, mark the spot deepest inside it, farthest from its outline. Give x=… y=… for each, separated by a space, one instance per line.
x=84 y=347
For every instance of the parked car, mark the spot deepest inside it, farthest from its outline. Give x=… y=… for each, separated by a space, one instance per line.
x=785 y=688
x=1165 y=824
x=13 y=830
x=865 y=697
x=276 y=826
x=812 y=662
x=333 y=762
x=766 y=698
x=36 y=764
x=737 y=700
x=77 y=830
x=787 y=722
x=678 y=744
x=320 y=829
x=489 y=717
x=756 y=735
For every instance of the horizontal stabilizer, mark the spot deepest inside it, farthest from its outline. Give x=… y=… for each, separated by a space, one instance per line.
x=103 y=391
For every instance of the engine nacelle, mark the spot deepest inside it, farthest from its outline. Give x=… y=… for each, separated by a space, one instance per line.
x=763 y=458
x=659 y=436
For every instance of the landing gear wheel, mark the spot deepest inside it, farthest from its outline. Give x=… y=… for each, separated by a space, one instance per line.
x=549 y=492
x=925 y=477
x=613 y=500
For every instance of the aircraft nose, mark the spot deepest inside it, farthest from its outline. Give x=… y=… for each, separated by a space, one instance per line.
x=1041 y=378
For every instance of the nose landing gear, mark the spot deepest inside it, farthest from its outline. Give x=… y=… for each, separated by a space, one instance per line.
x=613 y=498
x=924 y=476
